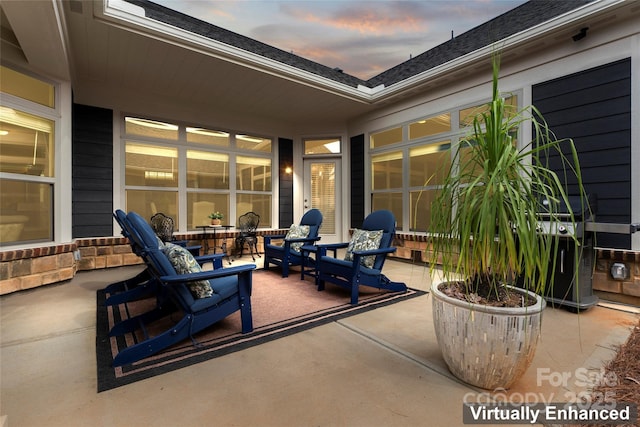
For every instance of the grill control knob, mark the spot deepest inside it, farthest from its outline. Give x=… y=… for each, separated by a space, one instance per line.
x=562 y=229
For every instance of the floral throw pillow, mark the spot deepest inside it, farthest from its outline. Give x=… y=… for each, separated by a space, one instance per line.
x=297 y=232
x=184 y=263
x=364 y=240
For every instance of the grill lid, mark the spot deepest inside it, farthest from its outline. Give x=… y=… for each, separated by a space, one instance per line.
x=579 y=206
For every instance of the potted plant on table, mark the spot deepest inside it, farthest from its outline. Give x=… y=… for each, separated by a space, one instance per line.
x=216 y=218
x=484 y=234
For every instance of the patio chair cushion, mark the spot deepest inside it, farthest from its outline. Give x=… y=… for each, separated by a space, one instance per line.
x=297 y=232
x=364 y=240
x=183 y=262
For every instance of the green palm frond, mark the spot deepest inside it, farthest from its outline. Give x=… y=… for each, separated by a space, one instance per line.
x=485 y=216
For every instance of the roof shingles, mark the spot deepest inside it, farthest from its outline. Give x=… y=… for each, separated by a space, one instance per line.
x=509 y=23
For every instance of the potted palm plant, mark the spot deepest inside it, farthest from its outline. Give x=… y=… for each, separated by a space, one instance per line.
x=484 y=237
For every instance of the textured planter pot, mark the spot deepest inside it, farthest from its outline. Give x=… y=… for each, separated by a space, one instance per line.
x=216 y=222
x=488 y=347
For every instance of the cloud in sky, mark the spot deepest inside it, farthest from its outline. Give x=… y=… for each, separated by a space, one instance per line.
x=363 y=38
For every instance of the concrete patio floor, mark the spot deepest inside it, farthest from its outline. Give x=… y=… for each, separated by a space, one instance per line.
x=379 y=368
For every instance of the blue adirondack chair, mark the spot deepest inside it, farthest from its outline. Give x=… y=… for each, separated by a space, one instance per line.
x=365 y=267
x=231 y=292
x=143 y=285
x=288 y=254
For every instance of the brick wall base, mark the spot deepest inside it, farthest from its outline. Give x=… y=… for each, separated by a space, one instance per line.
x=414 y=248
x=22 y=269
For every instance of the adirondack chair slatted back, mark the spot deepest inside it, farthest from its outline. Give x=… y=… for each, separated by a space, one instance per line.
x=285 y=255
x=312 y=218
x=154 y=255
x=353 y=273
x=191 y=298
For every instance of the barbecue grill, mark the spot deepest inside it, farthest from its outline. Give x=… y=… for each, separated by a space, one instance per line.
x=569 y=267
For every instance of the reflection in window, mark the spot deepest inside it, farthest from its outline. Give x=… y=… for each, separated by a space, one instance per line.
x=322 y=146
x=420 y=205
x=431 y=126
x=200 y=205
x=150 y=128
x=428 y=164
x=26 y=143
x=467 y=115
x=386 y=170
x=253 y=173
x=26 y=210
x=148 y=203
x=389 y=201
x=207 y=136
x=207 y=170
x=258 y=203
x=27 y=156
x=387 y=137
x=222 y=172
x=151 y=166
x=254 y=143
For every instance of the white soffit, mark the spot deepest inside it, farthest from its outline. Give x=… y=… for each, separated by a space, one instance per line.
x=38 y=30
x=132 y=18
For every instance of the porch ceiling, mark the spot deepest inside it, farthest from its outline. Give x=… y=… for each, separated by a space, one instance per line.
x=116 y=67
x=138 y=69
x=125 y=66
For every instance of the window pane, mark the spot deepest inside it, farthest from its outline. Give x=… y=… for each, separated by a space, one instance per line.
x=258 y=203
x=150 y=128
x=253 y=173
x=200 y=205
x=255 y=143
x=26 y=143
x=26 y=87
x=428 y=164
x=421 y=218
x=149 y=203
x=322 y=146
x=387 y=137
x=207 y=170
x=430 y=126
x=26 y=209
x=207 y=136
x=151 y=165
x=387 y=170
x=467 y=115
x=389 y=201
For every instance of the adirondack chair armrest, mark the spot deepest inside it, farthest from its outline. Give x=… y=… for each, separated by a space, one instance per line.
x=303 y=240
x=334 y=245
x=209 y=274
x=374 y=251
x=322 y=249
x=216 y=259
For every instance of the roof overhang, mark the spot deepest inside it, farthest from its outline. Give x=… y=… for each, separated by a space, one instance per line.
x=132 y=18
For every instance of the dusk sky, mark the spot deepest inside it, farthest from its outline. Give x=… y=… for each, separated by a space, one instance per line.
x=363 y=38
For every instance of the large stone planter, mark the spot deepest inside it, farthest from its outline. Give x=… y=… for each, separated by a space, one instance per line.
x=488 y=347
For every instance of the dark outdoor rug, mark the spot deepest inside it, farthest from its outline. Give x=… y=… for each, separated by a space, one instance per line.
x=280 y=307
